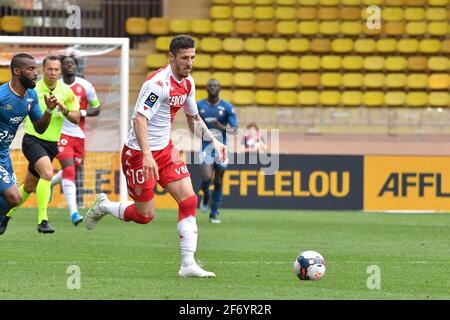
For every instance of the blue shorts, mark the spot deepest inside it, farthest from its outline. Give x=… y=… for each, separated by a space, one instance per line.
x=208 y=156
x=7 y=175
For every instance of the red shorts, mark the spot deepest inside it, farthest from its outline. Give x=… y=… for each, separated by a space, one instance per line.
x=71 y=148
x=170 y=168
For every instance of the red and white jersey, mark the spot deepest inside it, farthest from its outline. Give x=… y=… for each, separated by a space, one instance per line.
x=161 y=96
x=85 y=92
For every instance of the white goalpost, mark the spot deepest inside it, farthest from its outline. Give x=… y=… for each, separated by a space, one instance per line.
x=109 y=131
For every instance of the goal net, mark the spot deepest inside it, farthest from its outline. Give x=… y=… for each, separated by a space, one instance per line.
x=103 y=62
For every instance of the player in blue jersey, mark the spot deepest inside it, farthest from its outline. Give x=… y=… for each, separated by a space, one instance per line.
x=217 y=114
x=18 y=99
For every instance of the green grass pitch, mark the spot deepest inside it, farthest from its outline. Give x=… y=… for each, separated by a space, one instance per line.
x=252 y=252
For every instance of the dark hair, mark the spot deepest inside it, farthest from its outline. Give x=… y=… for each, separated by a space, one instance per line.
x=17 y=60
x=181 y=41
x=69 y=57
x=252 y=124
x=50 y=58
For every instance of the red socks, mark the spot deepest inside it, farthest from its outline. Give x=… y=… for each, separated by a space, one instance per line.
x=131 y=214
x=187 y=207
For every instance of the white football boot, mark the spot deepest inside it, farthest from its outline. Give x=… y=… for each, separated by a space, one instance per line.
x=95 y=214
x=194 y=270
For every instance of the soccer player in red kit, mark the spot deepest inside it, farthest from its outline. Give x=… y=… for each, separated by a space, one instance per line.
x=149 y=156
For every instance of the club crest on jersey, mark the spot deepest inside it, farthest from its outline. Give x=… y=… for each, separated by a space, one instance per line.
x=151 y=99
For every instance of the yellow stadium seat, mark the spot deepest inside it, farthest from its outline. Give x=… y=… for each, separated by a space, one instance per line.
x=392 y=14
x=201 y=78
x=395 y=64
x=234 y=45
x=373 y=98
x=209 y=44
x=308 y=27
x=351 y=2
x=320 y=45
x=307 y=13
x=202 y=61
x=417 y=81
x=416 y=3
x=264 y=13
x=309 y=80
x=349 y=13
x=180 y=26
x=221 y=1
x=416 y=99
x=351 y=98
x=437 y=63
x=15 y=24
x=136 y=26
x=244 y=27
x=222 y=61
x=342 y=45
x=329 y=27
x=244 y=79
x=5 y=75
x=437 y=28
x=226 y=94
x=397 y=28
x=365 y=46
x=266 y=62
x=373 y=31
x=394 y=2
x=220 y=12
x=310 y=62
x=277 y=45
x=244 y=62
x=265 y=97
x=308 y=2
x=308 y=98
x=351 y=28
x=352 y=62
x=222 y=26
x=439 y=99
x=395 y=99
x=445 y=46
x=286 y=28
x=374 y=63
x=438 y=2
x=373 y=80
x=298 y=45
x=386 y=45
x=265 y=80
x=156 y=60
x=416 y=28
x=288 y=63
x=331 y=62
x=414 y=14
x=255 y=45
x=286 y=98
x=328 y=13
x=265 y=27
x=242 y=12
x=436 y=14
x=408 y=46
x=332 y=79
x=201 y=94
x=201 y=26
x=330 y=98
x=285 y=13
x=417 y=63
x=329 y=2
x=225 y=78
x=158 y=26
x=285 y=2
x=287 y=80
x=439 y=81
x=372 y=2
x=429 y=46
x=352 y=80
x=243 y=97
x=263 y=2
x=163 y=43
x=395 y=80
x=241 y=2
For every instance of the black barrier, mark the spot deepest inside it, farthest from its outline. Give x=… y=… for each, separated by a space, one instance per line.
x=301 y=182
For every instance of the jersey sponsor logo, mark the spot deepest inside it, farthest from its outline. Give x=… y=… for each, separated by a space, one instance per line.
x=6 y=137
x=177 y=100
x=181 y=170
x=16 y=120
x=5 y=175
x=151 y=100
x=7 y=107
x=30 y=100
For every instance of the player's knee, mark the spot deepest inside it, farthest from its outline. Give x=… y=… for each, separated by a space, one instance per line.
x=14 y=199
x=47 y=174
x=69 y=173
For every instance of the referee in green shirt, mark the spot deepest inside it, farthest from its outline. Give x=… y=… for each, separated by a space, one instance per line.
x=41 y=149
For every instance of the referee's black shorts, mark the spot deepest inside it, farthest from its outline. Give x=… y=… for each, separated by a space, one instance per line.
x=34 y=148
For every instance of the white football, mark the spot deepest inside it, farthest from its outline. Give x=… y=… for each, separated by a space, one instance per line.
x=310 y=265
